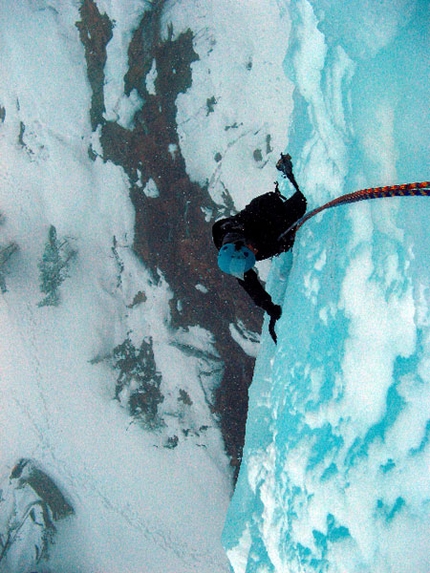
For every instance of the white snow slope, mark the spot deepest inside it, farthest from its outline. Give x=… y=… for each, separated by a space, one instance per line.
x=140 y=504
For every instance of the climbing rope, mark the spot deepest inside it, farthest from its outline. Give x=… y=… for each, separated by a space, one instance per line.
x=421 y=189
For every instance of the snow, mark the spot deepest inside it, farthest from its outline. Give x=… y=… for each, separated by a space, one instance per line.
x=336 y=464
x=245 y=101
x=138 y=504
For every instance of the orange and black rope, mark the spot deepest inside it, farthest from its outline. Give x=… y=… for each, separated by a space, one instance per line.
x=420 y=189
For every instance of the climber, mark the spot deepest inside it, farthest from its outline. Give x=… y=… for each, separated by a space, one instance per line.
x=253 y=235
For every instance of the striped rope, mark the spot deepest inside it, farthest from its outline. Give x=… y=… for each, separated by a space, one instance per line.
x=421 y=189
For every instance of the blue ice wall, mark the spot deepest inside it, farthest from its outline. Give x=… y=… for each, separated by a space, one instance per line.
x=335 y=475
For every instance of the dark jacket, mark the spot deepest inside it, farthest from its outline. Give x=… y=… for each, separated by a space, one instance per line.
x=260 y=224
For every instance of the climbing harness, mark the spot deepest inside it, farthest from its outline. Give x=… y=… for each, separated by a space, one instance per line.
x=420 y=189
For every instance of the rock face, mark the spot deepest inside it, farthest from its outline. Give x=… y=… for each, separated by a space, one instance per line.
x=30 y=505
x=172 y=234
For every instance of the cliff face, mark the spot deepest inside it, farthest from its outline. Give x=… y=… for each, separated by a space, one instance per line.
x=172 y=227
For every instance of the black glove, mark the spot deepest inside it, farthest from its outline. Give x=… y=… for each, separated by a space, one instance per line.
x=275 y=312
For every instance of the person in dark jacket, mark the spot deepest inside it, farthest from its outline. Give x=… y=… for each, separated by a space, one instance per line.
x=256 y=233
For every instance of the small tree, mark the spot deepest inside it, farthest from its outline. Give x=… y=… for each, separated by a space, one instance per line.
x=54 y=267
x=139 y=381
x=5 y=254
